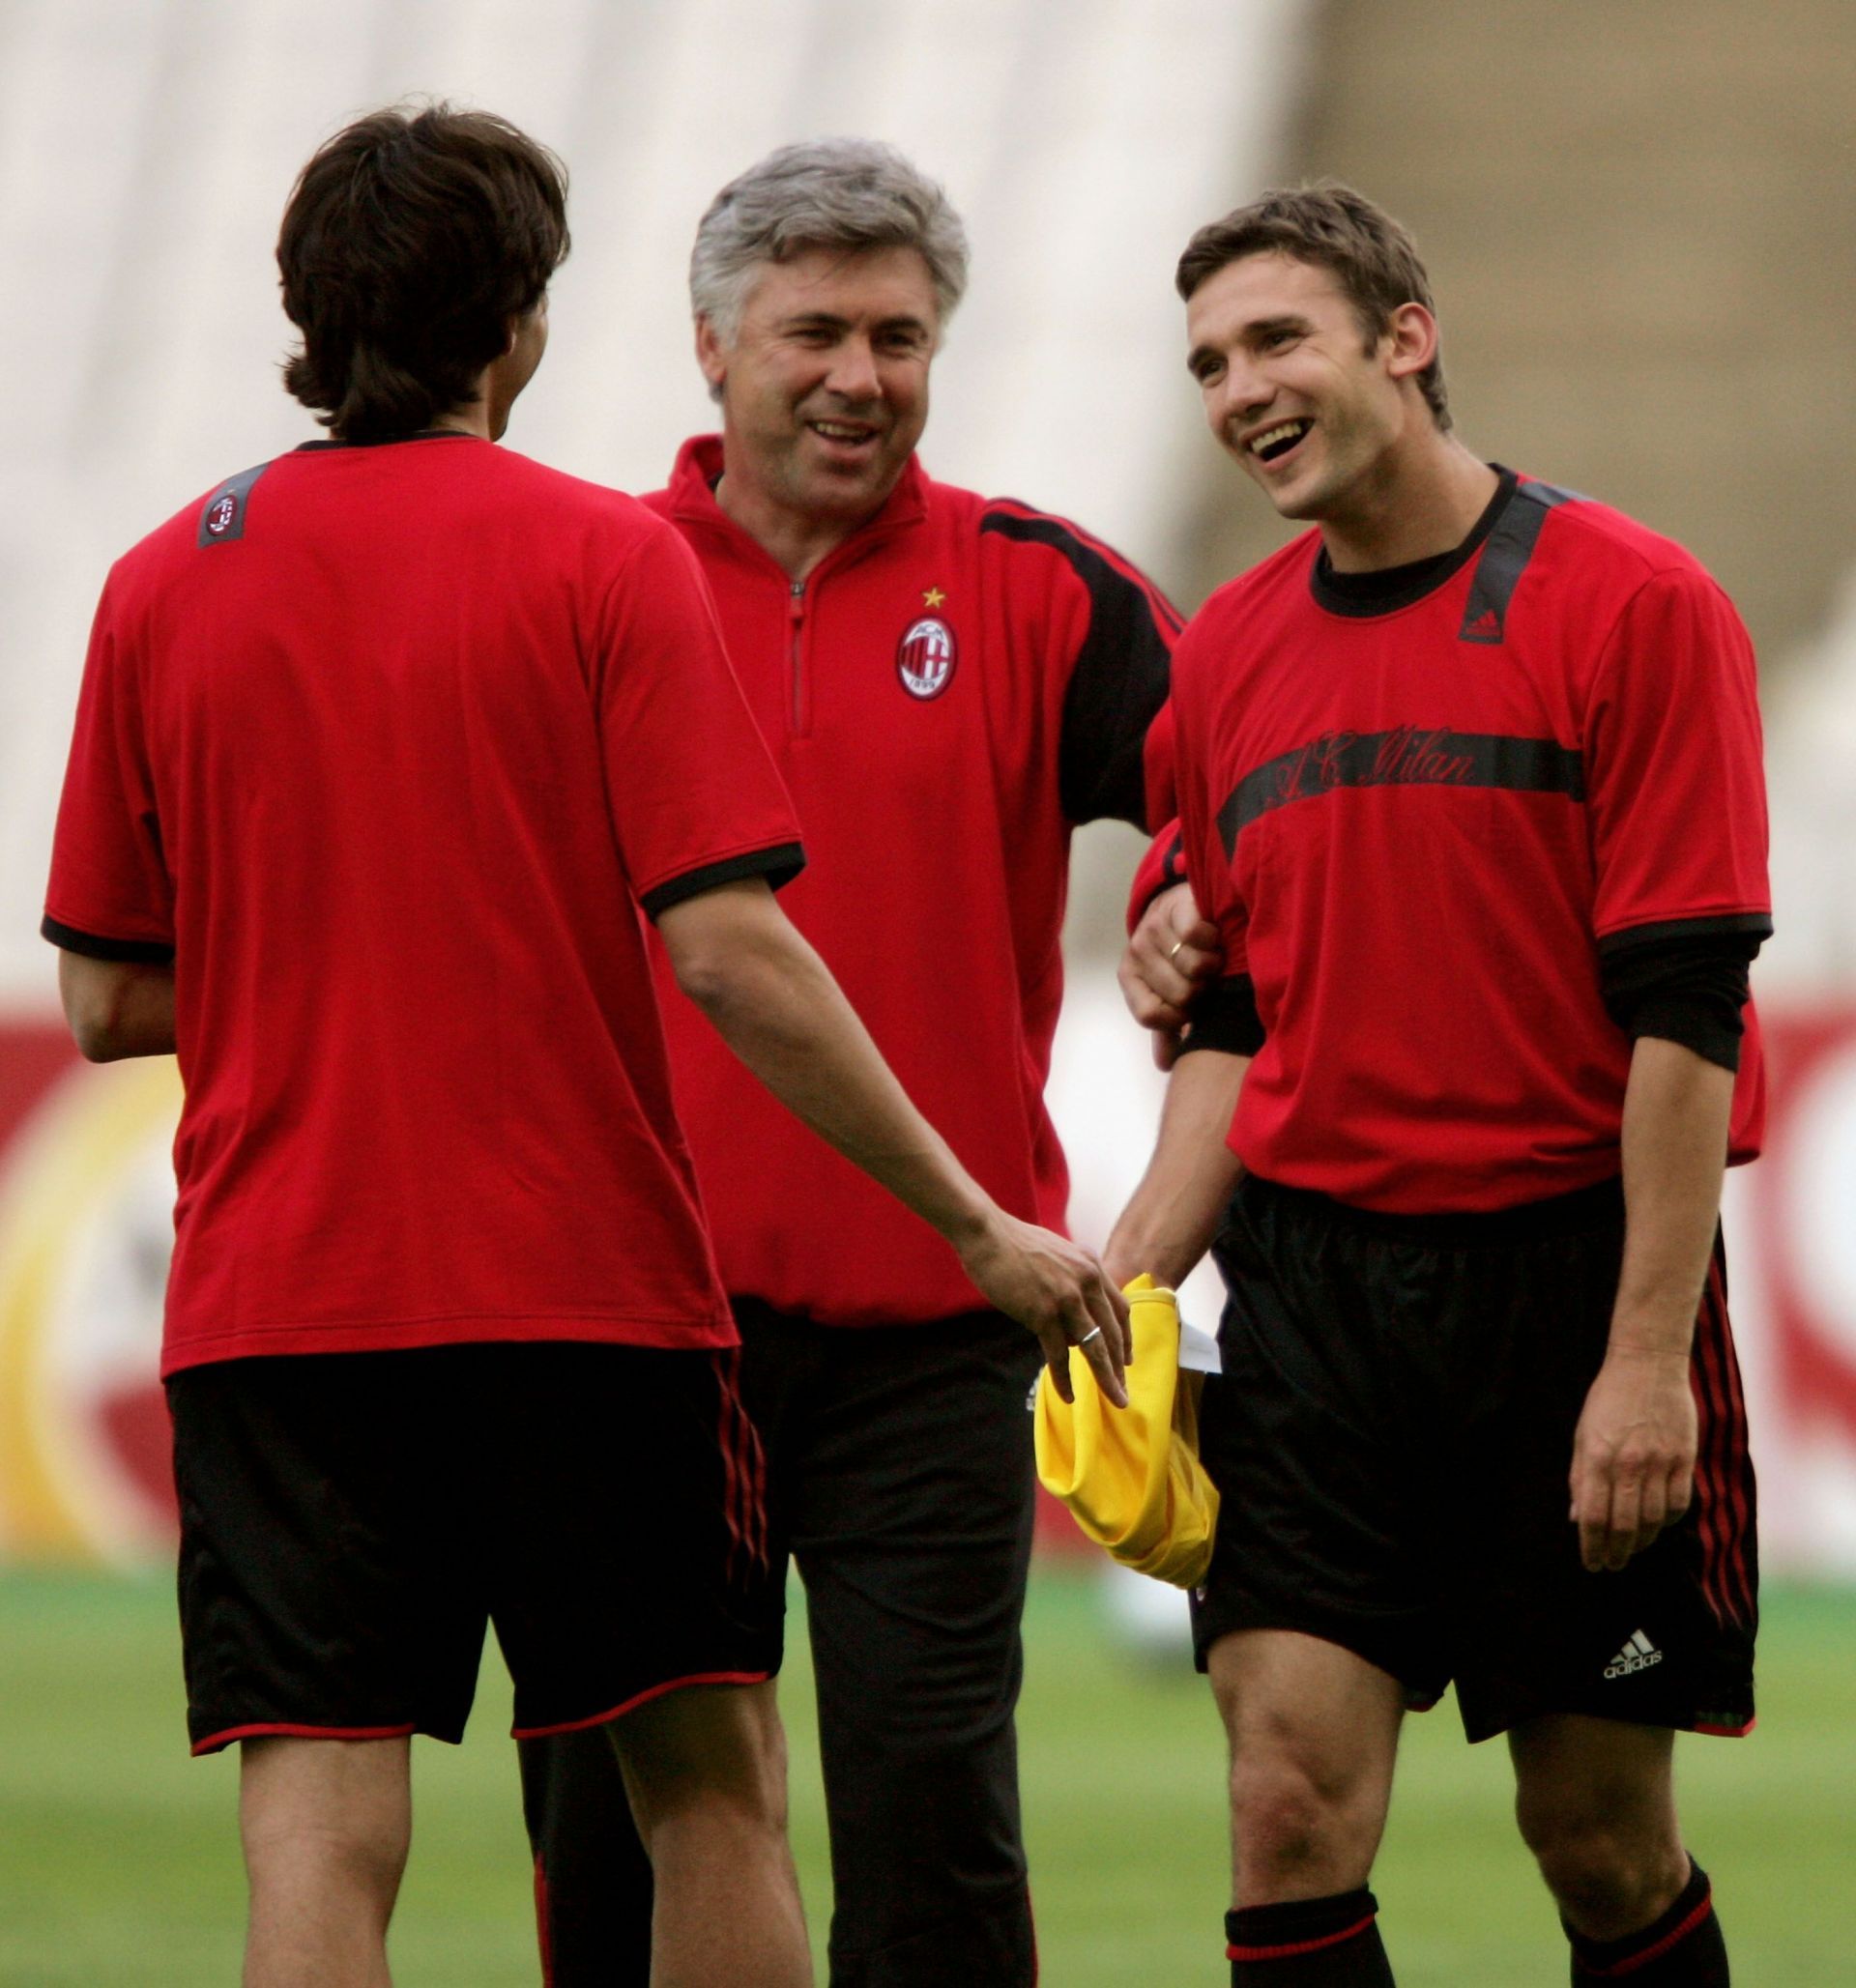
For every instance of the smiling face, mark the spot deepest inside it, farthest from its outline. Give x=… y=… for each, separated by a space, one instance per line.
x=824 y=384
x=1294 y=388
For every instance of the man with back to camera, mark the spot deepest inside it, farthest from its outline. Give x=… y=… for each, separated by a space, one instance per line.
x=1471 y=798
x=382 y=748
x=947 y=685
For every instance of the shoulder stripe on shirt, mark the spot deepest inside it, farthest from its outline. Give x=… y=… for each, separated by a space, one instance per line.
x=1505 y=553
x=1407 y=756
x=1080 y=548
x=1119 y=678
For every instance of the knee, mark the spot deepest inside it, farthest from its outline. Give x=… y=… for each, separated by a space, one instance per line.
x=329 y=1814
x=352 y=1857
x=1295 y=1824
x=1609 y=1871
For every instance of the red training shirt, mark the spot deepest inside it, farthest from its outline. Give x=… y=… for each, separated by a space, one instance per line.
x=947 y=693
x=1419 y=830
x=385 y=746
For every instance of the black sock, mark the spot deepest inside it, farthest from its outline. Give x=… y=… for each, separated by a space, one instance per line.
x=1683 y=1948
x=1309 y=1942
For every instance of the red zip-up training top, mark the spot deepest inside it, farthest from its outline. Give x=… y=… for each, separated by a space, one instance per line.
x=947 y=693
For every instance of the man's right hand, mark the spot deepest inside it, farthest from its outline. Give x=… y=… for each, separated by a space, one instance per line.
x=771 y=999
x=1172 y=954
x=1057 y=1291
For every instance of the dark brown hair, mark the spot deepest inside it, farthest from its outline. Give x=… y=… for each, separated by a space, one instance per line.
x=410 y=241
x=1369 y=254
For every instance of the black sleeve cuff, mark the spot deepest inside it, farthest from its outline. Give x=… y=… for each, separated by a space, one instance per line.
x=779 y=865
x=1683 y=983
x=138 y=952
x=1741 y=934
x=1223 y=1017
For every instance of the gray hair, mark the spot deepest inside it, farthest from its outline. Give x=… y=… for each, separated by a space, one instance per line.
x=849 y=193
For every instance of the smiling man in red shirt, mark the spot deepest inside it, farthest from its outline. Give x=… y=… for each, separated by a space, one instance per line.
x=1471 y=798
x=948 y=683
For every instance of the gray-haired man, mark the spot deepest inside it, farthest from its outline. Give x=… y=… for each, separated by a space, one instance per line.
x=949 y=685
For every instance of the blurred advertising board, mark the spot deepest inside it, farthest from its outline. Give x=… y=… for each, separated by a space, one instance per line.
x=1793 y=1217
x=86 y=1194
x=86 y=1200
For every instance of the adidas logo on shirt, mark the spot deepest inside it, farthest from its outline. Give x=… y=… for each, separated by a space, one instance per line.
x=1639 y=1654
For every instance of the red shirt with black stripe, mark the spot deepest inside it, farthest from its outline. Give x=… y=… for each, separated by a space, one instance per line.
x=385 y=747
x=1428 y=827
x=949 y=693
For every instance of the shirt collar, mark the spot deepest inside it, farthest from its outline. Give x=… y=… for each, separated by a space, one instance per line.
x=698 y=469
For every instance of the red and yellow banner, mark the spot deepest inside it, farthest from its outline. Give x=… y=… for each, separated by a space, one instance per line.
x=86 y=1210
x=86 y=1226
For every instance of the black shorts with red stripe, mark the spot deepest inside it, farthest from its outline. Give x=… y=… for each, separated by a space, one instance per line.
x=350 y=1522
x=1392 y=1436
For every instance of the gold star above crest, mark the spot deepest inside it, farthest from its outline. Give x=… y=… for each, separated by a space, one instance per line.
x=933 y=597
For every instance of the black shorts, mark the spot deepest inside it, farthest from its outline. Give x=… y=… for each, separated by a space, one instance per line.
x=900 y=1479
x=350 y=1521
x=1392 y=1436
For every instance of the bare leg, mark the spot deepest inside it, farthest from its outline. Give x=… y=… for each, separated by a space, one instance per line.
x=705 y=1771
x=1596 y=1803
x=326 y=1825
x=1314 y=1733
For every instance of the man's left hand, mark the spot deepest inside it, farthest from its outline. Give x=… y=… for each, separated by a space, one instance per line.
x=1633 y=1456
x=1172 y=953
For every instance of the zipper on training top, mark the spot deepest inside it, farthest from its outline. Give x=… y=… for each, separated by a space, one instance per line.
x=796 y=610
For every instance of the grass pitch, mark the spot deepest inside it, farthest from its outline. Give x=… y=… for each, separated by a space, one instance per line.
x=119 y=1858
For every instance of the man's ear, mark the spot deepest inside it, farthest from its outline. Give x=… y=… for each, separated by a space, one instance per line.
x=711 y=355
x=1410 y=341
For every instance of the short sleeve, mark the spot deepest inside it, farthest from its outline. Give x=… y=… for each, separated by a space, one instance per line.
x=111 y=894
x=1207 y=863
x=1674 y=772
x=1158 y=754
x=1107 y=634
x=1116 y=689
x=695 y=798
x=1161 y=868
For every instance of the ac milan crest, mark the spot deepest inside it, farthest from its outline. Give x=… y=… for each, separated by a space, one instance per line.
x=925 y=657
x=222 y=513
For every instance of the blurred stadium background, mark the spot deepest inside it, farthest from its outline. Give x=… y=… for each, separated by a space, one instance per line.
x=1638 y=217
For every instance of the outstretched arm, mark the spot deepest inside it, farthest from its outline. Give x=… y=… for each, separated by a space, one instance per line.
x=774 y=1002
